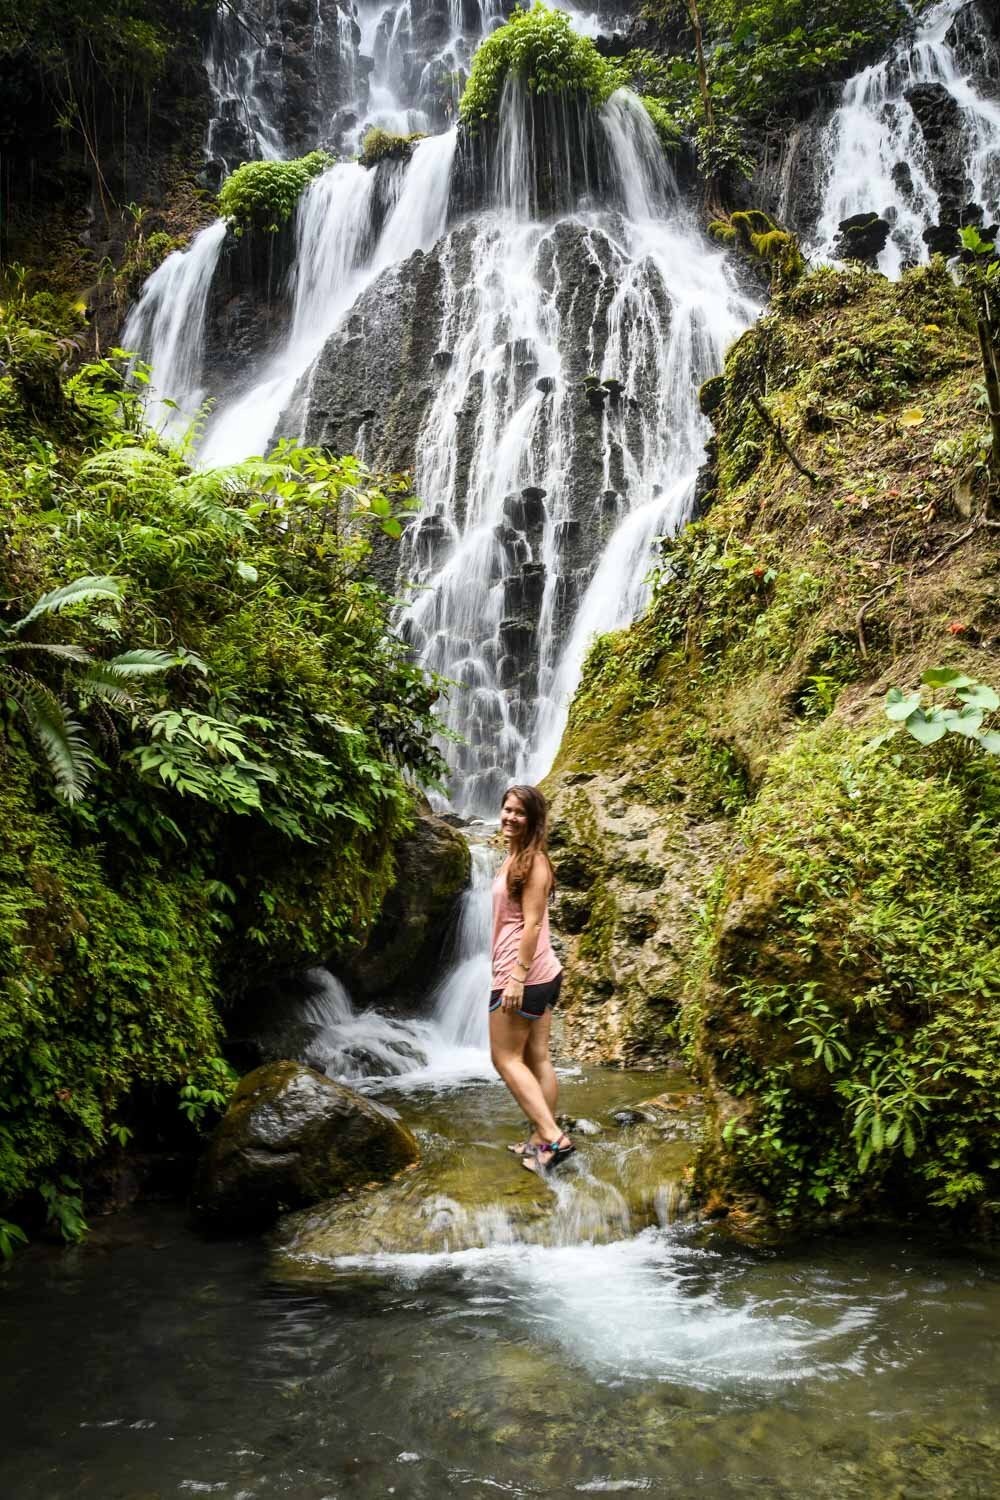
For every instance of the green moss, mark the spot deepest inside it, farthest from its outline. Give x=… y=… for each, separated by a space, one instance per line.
x=263 y=195
x=853 y=905
x=853 y=956
x=382 y=145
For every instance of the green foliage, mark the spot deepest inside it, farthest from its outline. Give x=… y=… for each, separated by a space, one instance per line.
x=541 y=47
x=879 y=893
x=263 y=195
x=382 y=145
x=930 y=722
x=248 y=724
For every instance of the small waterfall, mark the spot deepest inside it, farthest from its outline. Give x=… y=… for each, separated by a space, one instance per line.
x=461 y=1021
x=369 y=1049
x=878 y=157
x=244 y=124
x=337 y=255
x=166 y=326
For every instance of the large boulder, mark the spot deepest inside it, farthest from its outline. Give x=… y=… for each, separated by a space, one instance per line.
x=289 y=1138
x=403 y=954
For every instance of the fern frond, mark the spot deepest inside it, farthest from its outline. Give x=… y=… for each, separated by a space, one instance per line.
x=60 y=737
x=142 y=662
x=81 y=589
x=145 y=468
x=61 y=652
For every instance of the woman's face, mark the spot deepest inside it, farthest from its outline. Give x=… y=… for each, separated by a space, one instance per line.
x=513 y=820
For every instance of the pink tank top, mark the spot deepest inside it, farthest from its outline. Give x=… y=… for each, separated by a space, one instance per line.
x=508 y=929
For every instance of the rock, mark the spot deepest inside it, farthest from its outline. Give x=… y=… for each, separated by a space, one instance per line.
x=403 y=952
x=291 y=1137
x=862 y=237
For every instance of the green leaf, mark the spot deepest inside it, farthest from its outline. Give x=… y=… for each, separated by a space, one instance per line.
x=924 y=730
x=990 y=742
x=945 y=677
x=246 y=571
x=77 y=592
x=899 y=706
x=978 y=695
x=968 y=722
x=59 y=736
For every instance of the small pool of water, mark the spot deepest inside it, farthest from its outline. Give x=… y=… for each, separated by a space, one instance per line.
x=152 y=1363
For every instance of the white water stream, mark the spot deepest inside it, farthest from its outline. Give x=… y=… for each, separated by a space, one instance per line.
x=877 y=158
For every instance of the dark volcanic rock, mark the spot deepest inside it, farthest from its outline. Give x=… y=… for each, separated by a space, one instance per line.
x=292 y=1137
x=403 y=953
x=940 y=121
x=862 y=237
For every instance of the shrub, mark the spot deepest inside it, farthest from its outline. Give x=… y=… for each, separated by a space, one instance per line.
x=542 y=47
x=263 y=194
x=382 y=145
x=237 y=785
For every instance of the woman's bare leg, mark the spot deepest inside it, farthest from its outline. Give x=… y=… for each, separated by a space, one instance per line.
x=509 y=1036
x=538 y=1058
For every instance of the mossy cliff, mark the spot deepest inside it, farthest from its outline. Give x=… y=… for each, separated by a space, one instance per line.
x=745 y=878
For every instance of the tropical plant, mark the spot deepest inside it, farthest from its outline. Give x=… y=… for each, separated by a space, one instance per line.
x=981 y=274
x=49 y=716
x=929 y=721
x=262 y=195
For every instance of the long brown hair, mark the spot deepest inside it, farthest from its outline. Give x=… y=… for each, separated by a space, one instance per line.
x=536 y=839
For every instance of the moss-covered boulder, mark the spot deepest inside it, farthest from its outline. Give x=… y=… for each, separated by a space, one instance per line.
x=402 y=956
x=291 y=1137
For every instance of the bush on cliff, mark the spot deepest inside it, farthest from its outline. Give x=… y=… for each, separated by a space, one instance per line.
x=244 y=798
x=541 y=47
x=263 y=195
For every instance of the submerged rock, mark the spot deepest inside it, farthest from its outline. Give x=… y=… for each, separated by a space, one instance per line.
x=291 y=1137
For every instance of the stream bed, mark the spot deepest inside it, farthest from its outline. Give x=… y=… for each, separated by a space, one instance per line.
x=635 y=1354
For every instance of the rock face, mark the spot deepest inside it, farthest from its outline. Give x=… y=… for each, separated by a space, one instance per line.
x=403 y=953
x=629 y=883
x=291 y=1137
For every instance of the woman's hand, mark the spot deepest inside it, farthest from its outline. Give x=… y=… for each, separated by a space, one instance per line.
x=513 y=995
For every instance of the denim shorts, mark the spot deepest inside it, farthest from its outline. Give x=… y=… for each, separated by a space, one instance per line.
x=537 y=998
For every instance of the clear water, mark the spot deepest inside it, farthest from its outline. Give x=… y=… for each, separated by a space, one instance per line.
x=154 y=1364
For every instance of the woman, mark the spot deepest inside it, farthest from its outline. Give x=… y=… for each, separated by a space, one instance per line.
x=526 y=976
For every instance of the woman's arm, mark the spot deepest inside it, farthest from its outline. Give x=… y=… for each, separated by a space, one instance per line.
x=533 y=899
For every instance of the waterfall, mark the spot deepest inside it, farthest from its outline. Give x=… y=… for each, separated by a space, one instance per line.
x=877 y=153
x=579 y=312
x=335 y=260
x=450 y=1045
x=506 y=528
x=166 y=327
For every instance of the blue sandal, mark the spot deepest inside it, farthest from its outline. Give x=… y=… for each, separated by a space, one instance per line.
x=548 y=1155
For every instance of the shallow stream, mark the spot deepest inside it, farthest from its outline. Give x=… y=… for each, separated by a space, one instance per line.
x=659 y=1359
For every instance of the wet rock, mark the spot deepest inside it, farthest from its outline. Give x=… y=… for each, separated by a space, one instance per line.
x=941 y=124
x=403 y=952
x=862 y=237
x=292 y=1137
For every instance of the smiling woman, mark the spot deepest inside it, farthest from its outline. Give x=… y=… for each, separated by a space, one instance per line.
x=526 y=975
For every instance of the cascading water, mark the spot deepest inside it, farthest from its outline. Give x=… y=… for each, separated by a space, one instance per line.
x=167 y=325
x=505 y=556
x=879 y=161
x=370 y=1050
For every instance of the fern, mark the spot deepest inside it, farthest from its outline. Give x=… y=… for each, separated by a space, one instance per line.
x=77 y=592
x=59 y=736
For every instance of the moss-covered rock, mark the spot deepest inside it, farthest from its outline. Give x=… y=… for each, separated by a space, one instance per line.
x=819 y=943
x=291 y=1137
x=402 y=955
